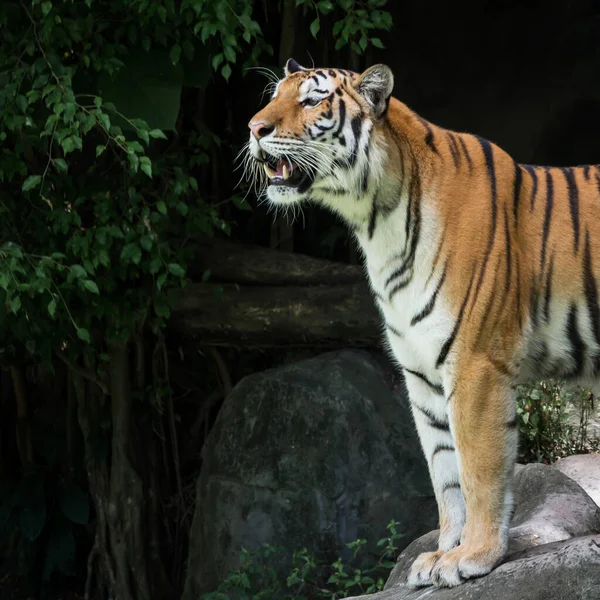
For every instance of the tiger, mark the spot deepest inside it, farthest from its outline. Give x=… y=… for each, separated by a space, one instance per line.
x=484 y=271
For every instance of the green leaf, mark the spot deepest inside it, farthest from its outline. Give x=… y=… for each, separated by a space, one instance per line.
x=377 y=43
x=314 y=27
x=52 y=307
x=83 y=334
x=73 y=503
x=46 y=8
x=241 y=203
x=175 y=54
x=157 y=134
x=146 y=242
x=217 y=60
x=15 y=304
x=176 y=269
x=226 y=72
x=146 y=166
x=73 y=142
x=21 y=103
x=60 y=164
x=131 y=253
x=161 y=207
x=31 y=182
x=229 y=53
x=77 y=272
x=91 y=286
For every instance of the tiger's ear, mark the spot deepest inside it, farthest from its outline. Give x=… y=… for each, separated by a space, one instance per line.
x=291 y=66
x=375 y=85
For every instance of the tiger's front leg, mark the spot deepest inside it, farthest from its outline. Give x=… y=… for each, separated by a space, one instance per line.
x=429 y=407
x=482 y=420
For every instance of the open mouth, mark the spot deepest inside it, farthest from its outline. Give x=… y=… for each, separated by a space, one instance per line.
x=284 y=172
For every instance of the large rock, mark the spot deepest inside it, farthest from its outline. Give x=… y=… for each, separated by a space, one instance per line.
x=554 y=548
x=585 y=470
x=314 y=454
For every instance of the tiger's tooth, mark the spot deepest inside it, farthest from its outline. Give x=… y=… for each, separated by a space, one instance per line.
x=286 y=172
x=270 y=172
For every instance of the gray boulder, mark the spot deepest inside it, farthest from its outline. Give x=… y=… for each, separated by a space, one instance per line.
x=554 y=549
x=585 y=470
x=314 y=454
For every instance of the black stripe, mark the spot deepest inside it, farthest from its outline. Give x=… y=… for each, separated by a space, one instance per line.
x=442 y=448
x=489 y=161
x=517 y=191
x=487 y=311
x=342 y=121
x=412 y=233
x=364 y=176
x=433 y=420
x=429 y=134
x=512 y=423
x=332 y=73
x=519 y=316
x=508 y=252
x=321 y=91
x=547 y=216
x=577 y=345
x=533 y=305
x=453 y=150
x=534 y=180
x=451 y=394
x=573 y=204
x=586 y=172
x=394 y=330
x=429 y=306
x=548 y=290
x=372 y=218
x=450 y=486
x=321 y=74
x=597 y=177
x=325 y=127
x=591 y=289
x=438 y=253
x=437 y=388
x=357 y=131
x=448 y=343
x=315 y=78
x=467 y=155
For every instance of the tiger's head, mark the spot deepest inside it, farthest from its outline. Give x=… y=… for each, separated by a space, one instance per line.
x=312 y=140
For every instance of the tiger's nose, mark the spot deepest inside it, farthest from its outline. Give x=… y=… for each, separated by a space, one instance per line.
x=259 y=129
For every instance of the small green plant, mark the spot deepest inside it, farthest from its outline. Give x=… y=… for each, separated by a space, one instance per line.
x=542 y=416
x=260 y=577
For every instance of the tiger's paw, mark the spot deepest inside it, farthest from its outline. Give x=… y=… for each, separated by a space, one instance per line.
x=420 y=571
x=458 y=565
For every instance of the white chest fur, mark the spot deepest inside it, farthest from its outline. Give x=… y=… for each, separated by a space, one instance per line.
x=403 y=292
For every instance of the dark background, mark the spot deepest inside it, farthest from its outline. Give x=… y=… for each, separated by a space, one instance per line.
x=522 y=74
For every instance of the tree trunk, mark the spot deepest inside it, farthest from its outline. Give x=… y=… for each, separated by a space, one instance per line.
x=125 y=560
